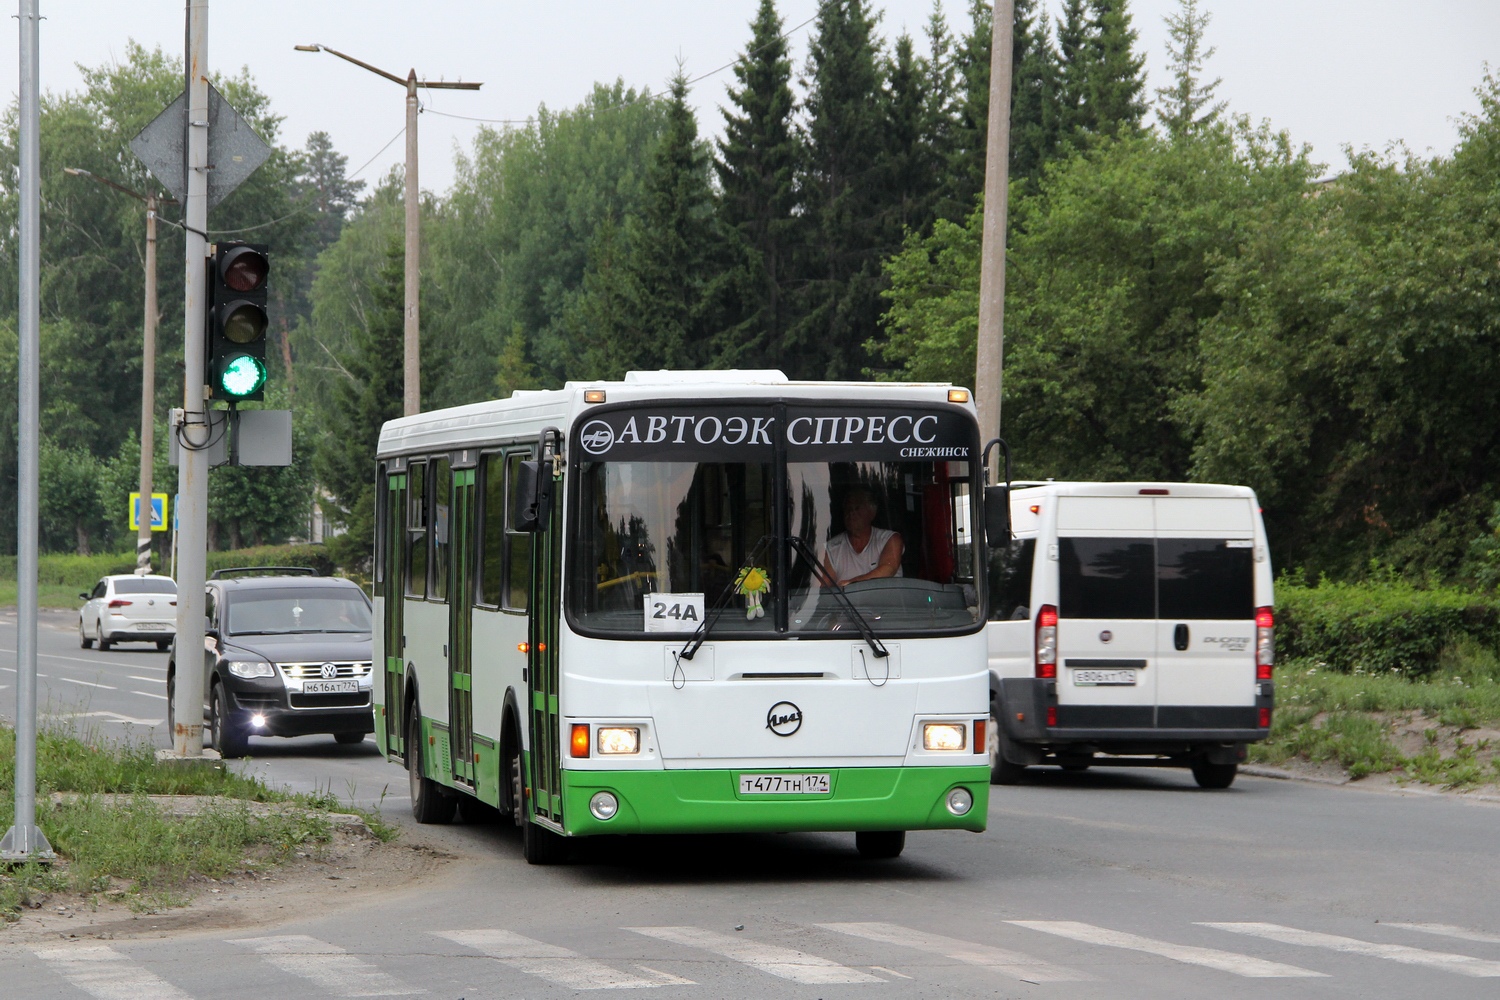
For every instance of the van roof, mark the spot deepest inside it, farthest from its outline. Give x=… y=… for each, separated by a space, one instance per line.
x=1132 y=489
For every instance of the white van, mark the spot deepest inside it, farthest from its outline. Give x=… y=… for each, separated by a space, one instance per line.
x=1130 y=624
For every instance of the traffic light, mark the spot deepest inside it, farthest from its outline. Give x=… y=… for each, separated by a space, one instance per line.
x=237 y=321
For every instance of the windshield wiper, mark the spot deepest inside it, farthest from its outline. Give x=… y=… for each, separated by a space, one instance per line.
x=840 y=596
x=711 y=618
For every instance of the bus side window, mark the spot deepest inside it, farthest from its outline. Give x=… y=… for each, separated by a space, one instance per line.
x=416 y=530
x=1010 y=580
x=492 y=550
x=517 y=543
x=442 y=490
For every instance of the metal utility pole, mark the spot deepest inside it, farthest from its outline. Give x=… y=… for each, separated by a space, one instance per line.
x=412 y=396
x=195 y=430
x=987 y=373
x=148 y=368
x=25 y=839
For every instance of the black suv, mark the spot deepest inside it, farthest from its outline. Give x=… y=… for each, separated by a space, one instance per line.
x=284 y=655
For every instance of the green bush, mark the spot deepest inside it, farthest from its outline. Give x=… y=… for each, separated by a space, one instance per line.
x=1382 y=627
x=80 y=572
x=314 y=557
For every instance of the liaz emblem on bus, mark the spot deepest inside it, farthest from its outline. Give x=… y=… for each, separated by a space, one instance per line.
x=784 y=718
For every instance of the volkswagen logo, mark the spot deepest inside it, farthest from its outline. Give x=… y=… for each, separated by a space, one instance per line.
x=1106 y=635
x=596 y=437
x=784 y=718
x=329 y=671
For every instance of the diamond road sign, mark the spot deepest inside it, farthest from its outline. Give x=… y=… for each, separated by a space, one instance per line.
x=234 y=150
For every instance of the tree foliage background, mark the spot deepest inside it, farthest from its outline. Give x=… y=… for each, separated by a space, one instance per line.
x=1188 y=296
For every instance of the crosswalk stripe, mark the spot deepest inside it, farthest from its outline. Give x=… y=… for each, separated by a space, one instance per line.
x=1448 y=930
x=328 y=965
x=1012 y=962
x=1464 y=965
x=106 y=974
x=788 y=963
x=554 y=964
x=1224 y=961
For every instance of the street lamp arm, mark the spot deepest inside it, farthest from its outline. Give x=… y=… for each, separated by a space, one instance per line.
x=358 y=62
x=430 y=85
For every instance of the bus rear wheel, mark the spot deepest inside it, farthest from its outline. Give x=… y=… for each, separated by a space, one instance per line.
x=880 y=844
x=428 y=803
x=539 y=845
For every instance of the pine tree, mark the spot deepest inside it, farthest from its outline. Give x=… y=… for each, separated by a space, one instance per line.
x=939 y=70
x=1034 y=131
x=911 y=169
x=1181 y=107
x=844 y=225
x=1116 y=77
x=756 y=166
x=1074 y=111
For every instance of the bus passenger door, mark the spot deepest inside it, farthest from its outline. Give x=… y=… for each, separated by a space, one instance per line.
x=542 y=664
x=460 y=625
x=393 y=598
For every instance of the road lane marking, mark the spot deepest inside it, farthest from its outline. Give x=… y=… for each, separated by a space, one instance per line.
x=1011 y=962
x=92 y=684
x=93 y=662
x=114 y=717
x=788 y=963
x=1448 y=930
x=148 y=680
x=148 y=694
x=102 y=972
x=328 y=965
x=1464 y=965
x=1211 y=958
x=556 y=965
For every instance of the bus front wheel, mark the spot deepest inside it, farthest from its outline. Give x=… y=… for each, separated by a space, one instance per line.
x=879 y=844
x=539 y=845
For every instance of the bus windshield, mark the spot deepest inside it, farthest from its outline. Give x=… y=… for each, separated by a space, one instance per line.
x=677 y=517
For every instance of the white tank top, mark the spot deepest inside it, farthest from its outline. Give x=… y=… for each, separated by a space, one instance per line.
x=847 y=563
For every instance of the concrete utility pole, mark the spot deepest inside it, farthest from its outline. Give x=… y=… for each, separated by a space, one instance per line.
x=148 y=368
x=194 y=433
x=25 y=839
x=412 y=395
x=991 y=347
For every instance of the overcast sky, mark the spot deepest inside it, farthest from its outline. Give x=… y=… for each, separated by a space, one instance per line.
x=1331 y=72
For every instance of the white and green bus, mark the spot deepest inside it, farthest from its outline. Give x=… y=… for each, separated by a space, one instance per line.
x=614 y=608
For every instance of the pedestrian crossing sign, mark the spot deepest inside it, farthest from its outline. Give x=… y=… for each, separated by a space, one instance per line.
x=158 y=512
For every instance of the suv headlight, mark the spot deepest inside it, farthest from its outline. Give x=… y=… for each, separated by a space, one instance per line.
x=251 y=668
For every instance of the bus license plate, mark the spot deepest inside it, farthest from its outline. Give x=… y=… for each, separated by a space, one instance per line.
x=784 y=784
x=330 y=687
x=1104 y=678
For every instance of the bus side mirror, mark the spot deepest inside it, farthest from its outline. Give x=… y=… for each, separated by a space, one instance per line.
x=997 y=515
x=531 y=501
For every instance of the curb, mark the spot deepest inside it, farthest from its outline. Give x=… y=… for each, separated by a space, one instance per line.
x=1263 y=771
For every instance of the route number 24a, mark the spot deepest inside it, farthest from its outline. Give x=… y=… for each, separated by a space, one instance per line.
x=677 y=611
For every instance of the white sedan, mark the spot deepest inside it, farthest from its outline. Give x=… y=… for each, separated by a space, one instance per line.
x=129 y=609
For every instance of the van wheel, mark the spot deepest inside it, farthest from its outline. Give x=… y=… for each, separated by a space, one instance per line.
x=1214 y=775
x=1002 y=771
x=877 y=845
x=428 y=803
x=1076 y=763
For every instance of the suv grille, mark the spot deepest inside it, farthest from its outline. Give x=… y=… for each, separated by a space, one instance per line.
x=314 y=671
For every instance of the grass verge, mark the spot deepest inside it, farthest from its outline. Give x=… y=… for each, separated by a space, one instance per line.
x=1440 y=729
x=113 y=840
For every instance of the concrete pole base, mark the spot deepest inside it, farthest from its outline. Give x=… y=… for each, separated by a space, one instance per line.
x=207 y=758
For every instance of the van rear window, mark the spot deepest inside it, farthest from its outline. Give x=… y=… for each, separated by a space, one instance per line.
x=1171 y=579
x=1201 y=578
x=1107 y=578
x=1010 y=580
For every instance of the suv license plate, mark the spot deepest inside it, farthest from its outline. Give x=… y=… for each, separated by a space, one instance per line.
x=330 y=687
x=784 y=784
x=1104 y=678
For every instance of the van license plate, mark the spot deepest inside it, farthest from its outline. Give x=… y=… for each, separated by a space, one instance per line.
x=784 y=784
x=1104 y=678
x=330 y=687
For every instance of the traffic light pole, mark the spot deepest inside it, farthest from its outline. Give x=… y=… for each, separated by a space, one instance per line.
x=148 y=398
x=194 y=431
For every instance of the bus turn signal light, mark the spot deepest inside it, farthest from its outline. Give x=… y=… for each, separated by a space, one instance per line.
x=580 y=743
x=524 y=647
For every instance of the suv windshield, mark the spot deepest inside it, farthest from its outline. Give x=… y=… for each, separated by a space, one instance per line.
x=269 y=612
x=676 y=510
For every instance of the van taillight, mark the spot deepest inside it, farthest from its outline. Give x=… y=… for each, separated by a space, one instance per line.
x=117 y=603
x=1265 y=643
x=1265 y=718
x=1046 y=641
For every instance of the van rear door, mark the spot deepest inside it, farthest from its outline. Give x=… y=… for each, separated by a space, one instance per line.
x=1106 y=629
x=1205 y=639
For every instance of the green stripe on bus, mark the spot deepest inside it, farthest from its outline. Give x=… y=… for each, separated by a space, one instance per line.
x=462 y=682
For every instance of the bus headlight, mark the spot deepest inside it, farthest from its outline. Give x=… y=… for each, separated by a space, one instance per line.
x=943 y=736
x=960 y=801
x=619 y=740
x=604 y=805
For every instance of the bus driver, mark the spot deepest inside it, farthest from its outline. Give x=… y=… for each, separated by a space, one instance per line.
x=862 y=551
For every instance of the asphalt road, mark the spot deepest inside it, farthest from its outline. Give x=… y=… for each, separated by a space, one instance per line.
x=1110 y=883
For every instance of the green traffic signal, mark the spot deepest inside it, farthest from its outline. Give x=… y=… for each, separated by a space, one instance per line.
x=242 y=376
